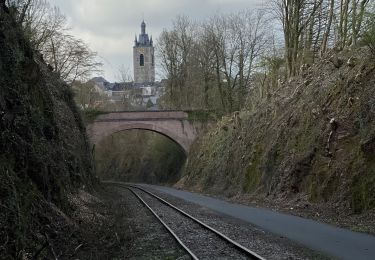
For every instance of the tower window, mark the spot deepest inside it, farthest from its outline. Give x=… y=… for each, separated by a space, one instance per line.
x=141 y=60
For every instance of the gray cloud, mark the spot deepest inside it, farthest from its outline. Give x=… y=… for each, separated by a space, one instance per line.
x=109 y=26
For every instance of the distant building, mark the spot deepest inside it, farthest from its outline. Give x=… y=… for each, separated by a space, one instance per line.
x=144 y=92
x=121 y=91
x=143 y=58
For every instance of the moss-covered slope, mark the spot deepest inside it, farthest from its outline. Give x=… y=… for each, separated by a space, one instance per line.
x=44 y=154
x=314 y=137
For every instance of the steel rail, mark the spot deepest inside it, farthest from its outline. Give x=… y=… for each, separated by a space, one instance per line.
x=166 y=226
x=245 y=250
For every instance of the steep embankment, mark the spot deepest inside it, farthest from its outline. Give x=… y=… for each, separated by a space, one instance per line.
x=44 y=155
x=313 y=140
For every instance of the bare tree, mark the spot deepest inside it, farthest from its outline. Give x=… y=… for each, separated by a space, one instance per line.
x=69 y=57
x=124 y=74
x=48 y=33
x=295 y=16
x=204 y=61
x=327 y=31
x=358 y=11
x=210 y=64
x=238 y=42
x=311 y=26
x=175 y=48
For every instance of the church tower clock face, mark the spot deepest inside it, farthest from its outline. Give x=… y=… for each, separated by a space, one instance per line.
x=143 y=58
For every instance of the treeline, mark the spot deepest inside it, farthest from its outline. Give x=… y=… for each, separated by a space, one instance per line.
x=227 y=61
x=47 y=30
x=311 y=27
x=209 y=65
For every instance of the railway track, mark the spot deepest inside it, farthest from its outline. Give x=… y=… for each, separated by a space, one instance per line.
x=198 y=239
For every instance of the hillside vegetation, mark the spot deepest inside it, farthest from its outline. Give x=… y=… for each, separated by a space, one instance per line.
x=294 y=84
x=139 y=156
x=312 y=139
x=44 y=154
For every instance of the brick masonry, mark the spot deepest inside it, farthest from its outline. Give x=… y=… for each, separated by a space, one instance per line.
x=172 y=124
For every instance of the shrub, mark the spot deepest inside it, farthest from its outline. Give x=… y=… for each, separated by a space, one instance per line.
x=368 y=38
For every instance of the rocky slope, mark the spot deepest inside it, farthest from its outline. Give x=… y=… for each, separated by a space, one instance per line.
x=311 y=141
x=44 y=155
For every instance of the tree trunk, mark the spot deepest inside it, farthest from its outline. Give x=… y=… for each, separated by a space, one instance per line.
x=323 y=47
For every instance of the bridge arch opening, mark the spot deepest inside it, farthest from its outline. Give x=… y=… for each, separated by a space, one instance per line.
x=157 y=132
x=168 y=124
x=139 y=155
x=169 y=133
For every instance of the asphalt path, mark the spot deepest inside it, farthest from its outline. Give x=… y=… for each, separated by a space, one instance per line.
x=333 y=241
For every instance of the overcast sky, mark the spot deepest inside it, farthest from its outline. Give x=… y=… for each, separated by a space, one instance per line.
x=109 y=26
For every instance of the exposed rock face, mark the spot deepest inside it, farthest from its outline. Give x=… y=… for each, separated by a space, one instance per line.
x=314 y=138
x=44 y=154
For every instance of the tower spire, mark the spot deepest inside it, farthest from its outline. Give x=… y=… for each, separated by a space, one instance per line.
x=143 y=58
x=143 y=27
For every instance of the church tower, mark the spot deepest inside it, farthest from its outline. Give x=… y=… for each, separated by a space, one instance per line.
x=143 y=58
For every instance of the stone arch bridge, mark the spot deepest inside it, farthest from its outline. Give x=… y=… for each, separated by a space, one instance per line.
x=172 y=124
